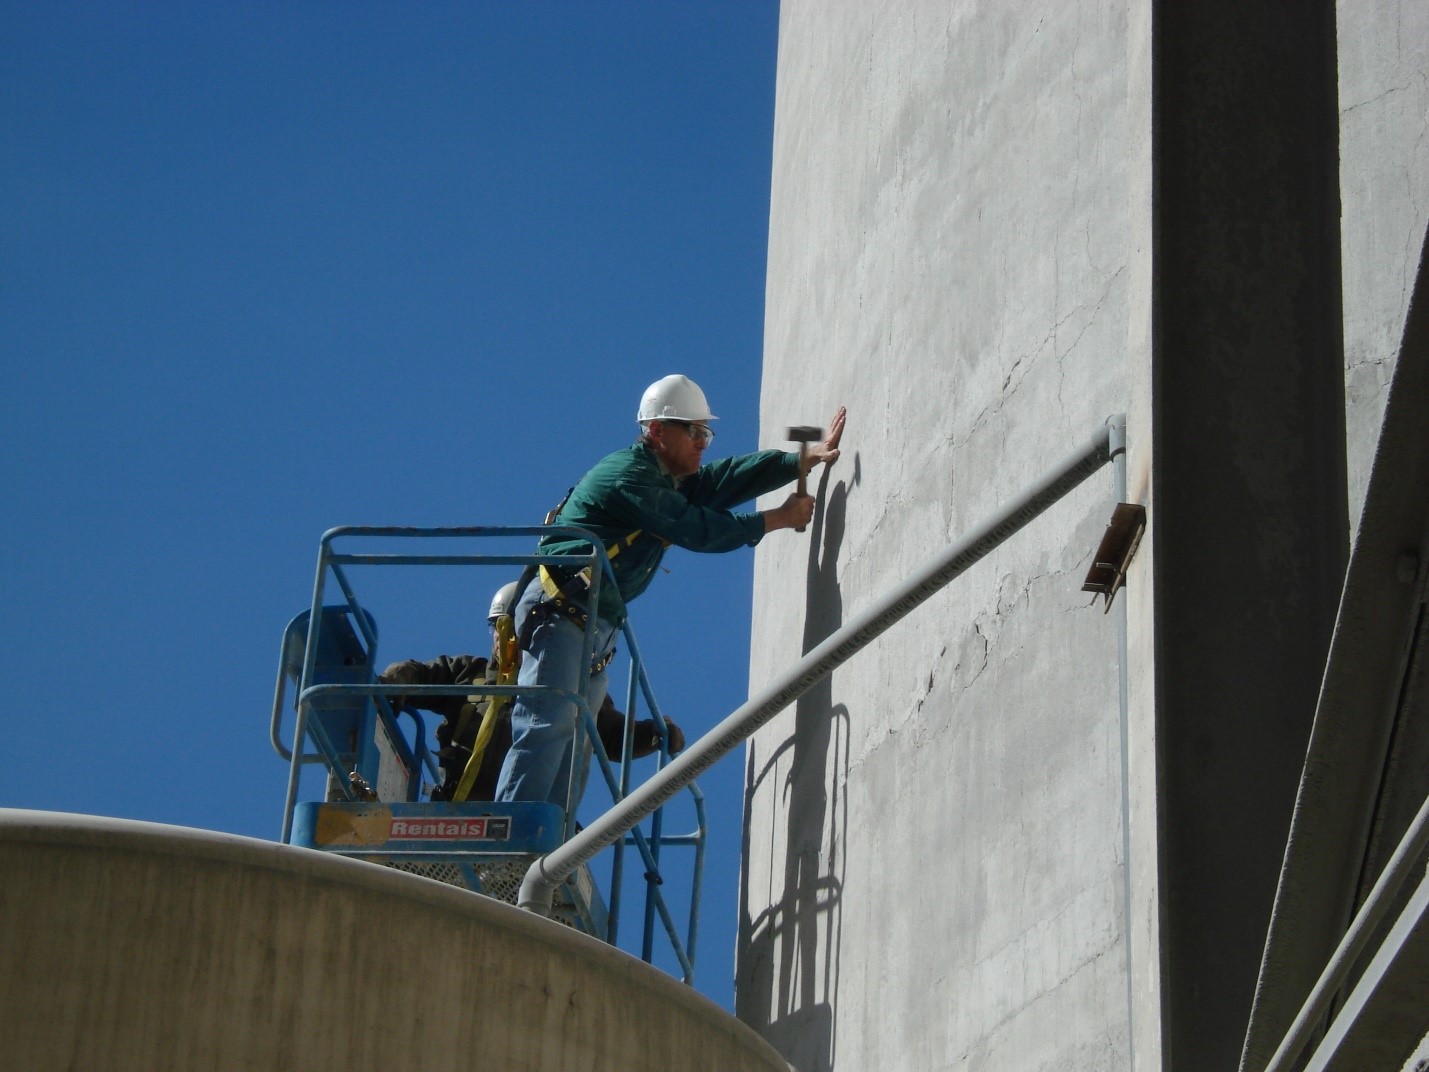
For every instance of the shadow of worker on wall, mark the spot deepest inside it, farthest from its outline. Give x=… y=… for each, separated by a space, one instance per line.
x=789 y=987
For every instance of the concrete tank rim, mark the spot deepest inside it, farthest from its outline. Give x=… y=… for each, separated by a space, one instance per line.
x=81 y=830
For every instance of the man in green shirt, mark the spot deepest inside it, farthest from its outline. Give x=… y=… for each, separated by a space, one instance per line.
x=637 y=502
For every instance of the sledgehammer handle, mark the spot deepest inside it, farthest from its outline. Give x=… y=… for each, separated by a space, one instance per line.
x=804 y=434
x=803 y=486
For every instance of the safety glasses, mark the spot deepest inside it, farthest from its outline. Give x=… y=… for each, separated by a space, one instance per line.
x=700 y=433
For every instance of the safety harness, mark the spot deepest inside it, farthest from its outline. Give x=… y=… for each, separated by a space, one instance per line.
x=508 y=661
x=566 y=595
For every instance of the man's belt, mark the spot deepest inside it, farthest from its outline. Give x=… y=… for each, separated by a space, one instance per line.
x=568 y=597
x=559 y=603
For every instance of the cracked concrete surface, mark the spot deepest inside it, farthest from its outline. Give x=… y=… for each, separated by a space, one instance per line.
x=1384 y=203
x=947 y=232
x=934 y=835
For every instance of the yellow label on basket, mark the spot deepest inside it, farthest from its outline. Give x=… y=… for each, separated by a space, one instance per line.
x=347 y=826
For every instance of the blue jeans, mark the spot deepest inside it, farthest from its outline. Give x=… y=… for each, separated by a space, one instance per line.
x=543 y=727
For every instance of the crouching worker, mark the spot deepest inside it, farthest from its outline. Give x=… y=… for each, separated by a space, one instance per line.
x=463 y=717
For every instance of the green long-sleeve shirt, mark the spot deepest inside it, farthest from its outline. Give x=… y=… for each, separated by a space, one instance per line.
x=628 y=490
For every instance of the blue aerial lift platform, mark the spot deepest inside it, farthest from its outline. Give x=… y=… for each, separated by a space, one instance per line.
x=380 y=769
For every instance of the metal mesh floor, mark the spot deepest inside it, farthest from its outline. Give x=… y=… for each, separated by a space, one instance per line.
x=500 y=879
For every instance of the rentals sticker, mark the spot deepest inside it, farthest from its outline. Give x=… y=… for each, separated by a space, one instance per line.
x=483 y=828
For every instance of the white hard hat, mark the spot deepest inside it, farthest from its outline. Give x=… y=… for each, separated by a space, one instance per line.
x=503 y=602
x=674 y=398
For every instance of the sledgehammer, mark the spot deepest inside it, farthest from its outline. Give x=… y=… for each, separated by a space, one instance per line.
x=804 y=434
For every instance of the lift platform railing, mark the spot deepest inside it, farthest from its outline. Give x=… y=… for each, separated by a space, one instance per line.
x=307 y=728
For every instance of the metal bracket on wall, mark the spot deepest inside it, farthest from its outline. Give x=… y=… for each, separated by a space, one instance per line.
x=1115 y=552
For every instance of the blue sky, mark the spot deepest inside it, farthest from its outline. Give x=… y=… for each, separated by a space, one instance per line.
x=270 y=268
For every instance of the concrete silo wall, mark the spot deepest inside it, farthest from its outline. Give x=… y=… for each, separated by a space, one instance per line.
x=137 y=946
x=935 y=834
x=1384 y=198
x=991 y=226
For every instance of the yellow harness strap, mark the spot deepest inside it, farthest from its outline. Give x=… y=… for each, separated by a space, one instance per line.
x=548 y=584
x=507 y=663
x=552 y=589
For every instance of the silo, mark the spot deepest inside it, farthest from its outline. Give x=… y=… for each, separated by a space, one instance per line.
x=140 y=946
x=1004 y=837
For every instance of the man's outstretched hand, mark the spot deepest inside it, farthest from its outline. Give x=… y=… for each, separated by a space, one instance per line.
x=827 y=452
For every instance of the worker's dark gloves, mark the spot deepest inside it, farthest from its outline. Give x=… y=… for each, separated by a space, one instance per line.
x=647 y=738
x=409 y=672
x=388 y=678
x=439 y=672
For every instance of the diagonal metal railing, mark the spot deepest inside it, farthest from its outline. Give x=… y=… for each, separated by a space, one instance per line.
x=1405 y=865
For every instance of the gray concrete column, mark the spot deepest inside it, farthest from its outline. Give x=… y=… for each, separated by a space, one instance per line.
x=1246 y=475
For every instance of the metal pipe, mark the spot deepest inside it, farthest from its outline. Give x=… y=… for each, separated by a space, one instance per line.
x=653 y=878
x=375 y=688
x=675 y=839
x=1367 y=920
x=280 y=692
x=575 y=784
x=617 y=863
x=649 y=848
x=549 y=871
x=436 y=560
x=697 y=878
x=360 y=618
x=639 y=678
x=1344 y=1043
x=447 y=531
x=1118 y=461
x=310 y=657
x=653 y=881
